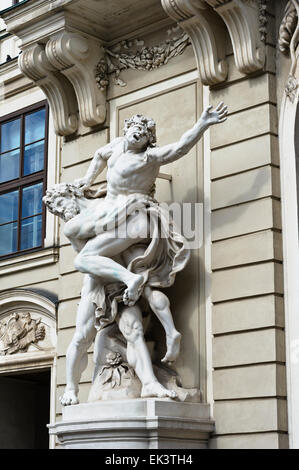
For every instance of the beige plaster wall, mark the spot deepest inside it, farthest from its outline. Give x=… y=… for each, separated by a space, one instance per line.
x=249 y=376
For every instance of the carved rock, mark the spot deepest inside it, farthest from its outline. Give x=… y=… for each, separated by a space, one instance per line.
x=117 y=380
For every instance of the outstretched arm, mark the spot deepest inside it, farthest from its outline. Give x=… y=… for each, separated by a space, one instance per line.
x=97 y=165
x=172 y=152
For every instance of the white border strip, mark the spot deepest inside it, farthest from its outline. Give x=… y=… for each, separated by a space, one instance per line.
x=287 y=135
x=208 y=253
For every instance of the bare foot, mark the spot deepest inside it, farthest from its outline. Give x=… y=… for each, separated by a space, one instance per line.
x=173 y=347
x=69 y=397
x=155 y=389
x=133 y=292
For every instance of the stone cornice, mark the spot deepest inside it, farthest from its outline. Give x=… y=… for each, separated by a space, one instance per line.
x=62 y=43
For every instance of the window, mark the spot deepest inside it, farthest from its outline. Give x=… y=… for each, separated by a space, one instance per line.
x=23 y=159
x=8 y=3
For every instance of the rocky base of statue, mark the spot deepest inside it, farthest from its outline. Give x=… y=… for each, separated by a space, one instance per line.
x=144 y=423
x=116 y=380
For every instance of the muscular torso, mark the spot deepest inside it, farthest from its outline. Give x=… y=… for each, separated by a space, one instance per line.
x=129 y=172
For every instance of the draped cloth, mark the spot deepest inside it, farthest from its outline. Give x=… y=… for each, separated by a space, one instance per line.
x=158 y=258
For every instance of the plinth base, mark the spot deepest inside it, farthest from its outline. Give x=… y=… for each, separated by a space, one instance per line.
x=144 y=423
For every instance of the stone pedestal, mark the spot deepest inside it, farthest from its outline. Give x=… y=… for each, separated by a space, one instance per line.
x=149 y=423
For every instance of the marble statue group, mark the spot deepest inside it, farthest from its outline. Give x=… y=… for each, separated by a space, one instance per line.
x=127 y=247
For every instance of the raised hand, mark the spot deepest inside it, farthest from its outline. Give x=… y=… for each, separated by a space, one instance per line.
x=214 y=117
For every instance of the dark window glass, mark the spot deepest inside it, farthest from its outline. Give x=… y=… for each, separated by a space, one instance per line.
x=31 y=232
x=9 y=166
x=32 y=200
x=35 y=126
x=23 y=144
x=9 y=207
x=34 y=157
x=10 y=135
x=8 y=238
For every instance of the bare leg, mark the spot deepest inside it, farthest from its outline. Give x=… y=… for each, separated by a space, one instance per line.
x=130 y=324
x=94 y=259
x=159 y=304
x=76 y=356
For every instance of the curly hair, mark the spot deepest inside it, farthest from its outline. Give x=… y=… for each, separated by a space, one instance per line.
x=63 y=190
x=148 y=123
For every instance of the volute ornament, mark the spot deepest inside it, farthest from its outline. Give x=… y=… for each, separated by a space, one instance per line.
x=288 y=44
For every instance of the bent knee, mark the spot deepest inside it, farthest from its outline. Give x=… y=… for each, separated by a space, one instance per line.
x=80 y=263
x=157 y=299
x=82 y=340
x=131 y=328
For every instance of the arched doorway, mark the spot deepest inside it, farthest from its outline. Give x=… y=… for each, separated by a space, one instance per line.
x=27 y=369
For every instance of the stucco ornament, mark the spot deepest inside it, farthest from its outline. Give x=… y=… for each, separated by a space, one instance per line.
x=128 y=248
x=288 y=44
x=19 y=332
x=133 y=54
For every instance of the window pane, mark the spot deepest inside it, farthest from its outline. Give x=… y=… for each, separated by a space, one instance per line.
x=31 y=232
x=34 y=158
x=32 y=200
x=35 y=126
x=9 y=207
x=9 y=166
x=10 y=135
x=8 y=238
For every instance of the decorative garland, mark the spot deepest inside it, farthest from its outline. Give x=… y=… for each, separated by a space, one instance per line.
x=119 y=57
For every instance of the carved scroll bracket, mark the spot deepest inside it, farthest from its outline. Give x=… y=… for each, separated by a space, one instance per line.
x=206 y=21
x=76 y=57
x=63 y=68
x=243 y=21
x=34 y=64
x=206 y=32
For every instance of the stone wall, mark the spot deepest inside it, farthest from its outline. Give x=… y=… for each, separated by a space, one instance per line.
x=249 y=376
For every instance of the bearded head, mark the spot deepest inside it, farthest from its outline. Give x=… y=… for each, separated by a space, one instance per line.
x=62 y=200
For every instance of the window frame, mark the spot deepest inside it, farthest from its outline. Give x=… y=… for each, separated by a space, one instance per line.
x=28 y=180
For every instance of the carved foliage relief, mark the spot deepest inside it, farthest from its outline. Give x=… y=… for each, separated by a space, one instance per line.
x=288 y=44
x=20 y=331
x=134 y=54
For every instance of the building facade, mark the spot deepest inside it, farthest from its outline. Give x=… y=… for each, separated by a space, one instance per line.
x=71 y=71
